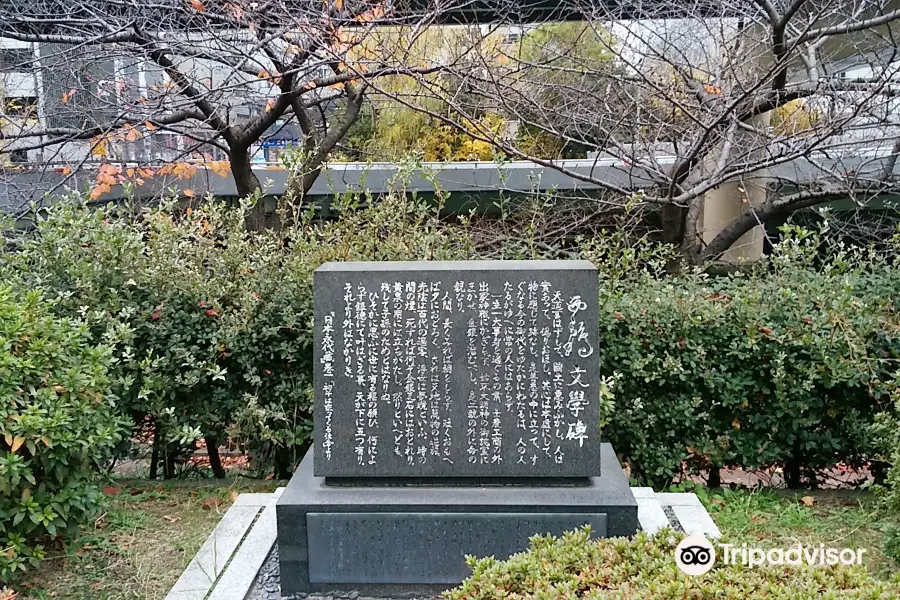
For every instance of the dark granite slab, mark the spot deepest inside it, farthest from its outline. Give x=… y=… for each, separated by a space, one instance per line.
x=456 y=369
x=343 y=542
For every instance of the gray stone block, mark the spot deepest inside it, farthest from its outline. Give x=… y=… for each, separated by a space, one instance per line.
x=418 y=535
x=456 y=369
x=343 y=542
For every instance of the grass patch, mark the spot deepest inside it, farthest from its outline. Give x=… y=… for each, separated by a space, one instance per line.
x=768 y=519
x=138 y=548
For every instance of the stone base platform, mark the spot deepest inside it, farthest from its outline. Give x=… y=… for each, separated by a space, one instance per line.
x=382 y=540
x=234 y=562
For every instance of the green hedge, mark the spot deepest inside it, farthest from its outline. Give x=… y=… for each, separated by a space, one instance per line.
x=783 y=365
x=575 y=567
x=56 y=423
x=211 y=325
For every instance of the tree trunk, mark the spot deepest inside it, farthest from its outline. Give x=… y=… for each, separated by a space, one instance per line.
x=283 y=465
x=714 y=479
x=673 y=217
x=247 y=184
x=154 y=453
x=215 y=463
x=169 y=464
x=792 y=474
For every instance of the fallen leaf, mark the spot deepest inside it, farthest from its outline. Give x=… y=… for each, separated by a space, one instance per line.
x=198 y=5
x=211 y=503
x=171 y=518
x=189 y=193
x=112 y=491
x=808 y=500
x=150 y=126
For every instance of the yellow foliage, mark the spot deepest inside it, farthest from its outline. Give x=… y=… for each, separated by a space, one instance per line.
x=795 y=117
x=99 y=146
x=446 y=143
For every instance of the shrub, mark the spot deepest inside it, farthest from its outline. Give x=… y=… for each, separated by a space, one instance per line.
x=56 y=421
x=886 y=432
x=211 y=325
x=783 y=366
x=575 y=567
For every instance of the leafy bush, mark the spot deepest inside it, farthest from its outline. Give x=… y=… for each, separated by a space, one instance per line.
x=56 y=421
x=211 y=325
x=783 y=366
x=575 y=567
x=886 y=432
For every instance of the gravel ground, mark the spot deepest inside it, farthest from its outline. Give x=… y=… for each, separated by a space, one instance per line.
x=673 y=520
x=268 y=586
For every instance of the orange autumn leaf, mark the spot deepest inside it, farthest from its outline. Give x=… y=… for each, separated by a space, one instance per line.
x=17 y=443
x=263 y=75
x=150 y=126
x=219 y=167
x=339 y=4
x=198 y=5
x=107 y=173
x=132 y=134
x=270 y=104
x=371 y=15
x=66 y=171
x=99 y=191
x=181 y=170
x=189 y=193
x=67 y=96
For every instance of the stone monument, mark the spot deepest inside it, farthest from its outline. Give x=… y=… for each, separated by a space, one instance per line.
x=456 y=412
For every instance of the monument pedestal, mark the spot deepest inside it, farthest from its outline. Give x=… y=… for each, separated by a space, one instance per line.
x=391 y=539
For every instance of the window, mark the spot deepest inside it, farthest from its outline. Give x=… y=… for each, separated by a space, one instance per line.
x=18 y=156
x=16 y=59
